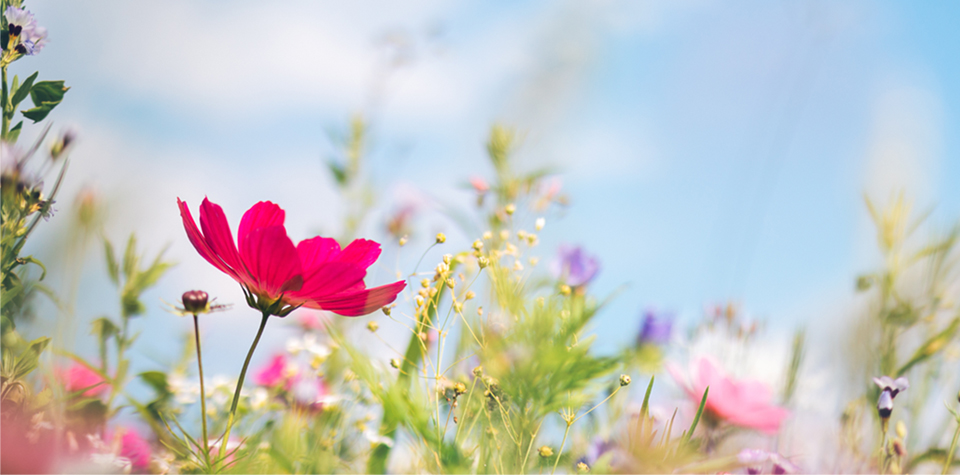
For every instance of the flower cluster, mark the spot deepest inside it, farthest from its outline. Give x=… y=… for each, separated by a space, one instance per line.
x=24 y=36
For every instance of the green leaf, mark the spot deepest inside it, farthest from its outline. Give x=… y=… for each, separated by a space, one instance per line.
x=104 y=328
x=696 y=419
x=112 y=267
x=34 y=260
x=156 y=380
x=931 y=347
x=338 y=171
x=130 y=257
x=30 y=358
x=45 y=95
x=20 y=93
x=14 y=133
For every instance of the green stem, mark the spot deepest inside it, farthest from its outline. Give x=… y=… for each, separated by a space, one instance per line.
x=953 y=448
x=236 y=393
x=562 y=443
x=203 y=393
x=6 y=118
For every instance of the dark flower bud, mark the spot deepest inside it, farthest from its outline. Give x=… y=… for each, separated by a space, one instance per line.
x=885 y=404
x=195 y=301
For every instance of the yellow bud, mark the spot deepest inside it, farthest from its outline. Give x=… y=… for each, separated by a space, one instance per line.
x=504 y=235
x=373 y=326
x=425 y=283
x=565 y=289
x=447 y=258
x=395 y=362
x=510 y=208
x=441 y=238
x=386 y=311
x=487 y=235
x=545 y=451
x=470 y=295
x=403 y=241
x=477 y=245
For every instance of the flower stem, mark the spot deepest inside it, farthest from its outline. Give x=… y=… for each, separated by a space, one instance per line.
x=203 y=393
x=562 y=443
x=236 y=393
x=953 y=448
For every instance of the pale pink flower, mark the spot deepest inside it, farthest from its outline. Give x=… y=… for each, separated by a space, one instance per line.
x=744 y=403
x=479 y=184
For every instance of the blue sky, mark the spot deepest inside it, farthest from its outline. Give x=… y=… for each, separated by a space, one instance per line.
x=712 y=150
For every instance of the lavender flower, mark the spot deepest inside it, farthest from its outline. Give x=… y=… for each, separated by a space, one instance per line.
x=25 y=37
x=574 y=266
x=656 y=328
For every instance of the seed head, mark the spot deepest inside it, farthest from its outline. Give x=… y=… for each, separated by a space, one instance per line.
x=373 y=326
x=441 y=238
x=545 y=451
x=624 y=380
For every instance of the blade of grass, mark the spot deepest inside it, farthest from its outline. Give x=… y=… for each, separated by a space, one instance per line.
x=696 y=419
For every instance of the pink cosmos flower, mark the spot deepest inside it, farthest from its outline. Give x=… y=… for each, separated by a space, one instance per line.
x=136 y=449
x=278 y=277
x=79 y=377
x=743 y=403
x=276 y=374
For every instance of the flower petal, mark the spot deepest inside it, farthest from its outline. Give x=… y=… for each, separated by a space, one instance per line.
x=217 y=233
x=331 y=278
x=315 y=251
x=272 y=260
x=201 y=245
x=362 y=302
x=260 y=215
x=361 y=252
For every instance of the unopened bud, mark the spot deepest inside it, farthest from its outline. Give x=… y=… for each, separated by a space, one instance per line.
x=510 y=208
x=451 y=283
x=624 y=380
x=425 y=283
x=487 y=235
x=478 y=371
x=195 y=301
x=459 y=388
x=386 y=311
x=540 y=223
x=545 y=451
x=565 y=289
x=419 y=300
x=441 y=238
x=504 y=235
x=477 y=245
x=395 y=362
x=373 y=326
x=447 y=258
x=402 y=241
x=458 y=307
x=470 y=295
x=62 y=144
x=483 y=262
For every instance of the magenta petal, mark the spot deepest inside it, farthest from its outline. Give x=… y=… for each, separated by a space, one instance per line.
x=217 y=233
x=315 y=251
x=331 y=278
x=362 y=302
x=200 y=244
x=361 y=252
x=261 y=215
x=272 y=260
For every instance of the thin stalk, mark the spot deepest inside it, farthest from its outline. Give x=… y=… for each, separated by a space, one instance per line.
x=953 y=448
x=562 y=443
x=203 y=393
x=236 y=393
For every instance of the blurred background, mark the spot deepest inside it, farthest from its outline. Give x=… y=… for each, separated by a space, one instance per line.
x=711 y=151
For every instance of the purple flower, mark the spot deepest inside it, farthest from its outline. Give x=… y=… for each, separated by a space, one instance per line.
x=574 y=266
x=656 y=328
x=598 y=449
x=26 y=38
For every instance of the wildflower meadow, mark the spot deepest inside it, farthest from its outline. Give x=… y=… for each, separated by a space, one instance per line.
x=352 y=308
